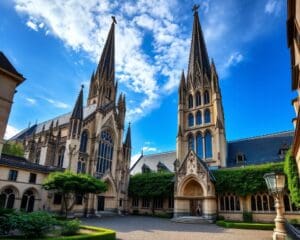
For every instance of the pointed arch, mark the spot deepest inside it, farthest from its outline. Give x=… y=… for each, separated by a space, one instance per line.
x=191 y=104
x=61 y=154
x=207 y=116
x=191 y=142
x=190 y=120
x=206 y=97
x=28 y=200
x=198 y=118
x=84 y=141
x=7 y=197
x=198 y=98
x=208 y=144
x=199 y=145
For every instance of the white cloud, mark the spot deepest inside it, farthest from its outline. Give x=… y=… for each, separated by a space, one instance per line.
x=273 y=6
x=149 y=149
x=32 y=25
x=31 y=100
x=57 y=104
x=10 y=132
x=234 y=59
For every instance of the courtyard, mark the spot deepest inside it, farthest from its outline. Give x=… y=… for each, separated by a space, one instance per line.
x=150 y=228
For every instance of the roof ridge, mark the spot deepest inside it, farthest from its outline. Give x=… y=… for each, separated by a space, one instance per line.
x=261 y=136
x=161 y=153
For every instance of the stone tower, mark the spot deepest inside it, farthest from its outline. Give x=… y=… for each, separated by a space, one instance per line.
x=200 y=110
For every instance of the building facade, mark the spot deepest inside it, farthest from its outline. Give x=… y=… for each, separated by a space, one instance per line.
x=10 y=78
x=293 y=36
x=87 y=140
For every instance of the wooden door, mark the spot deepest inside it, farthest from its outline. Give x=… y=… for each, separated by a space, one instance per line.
x=101 y=203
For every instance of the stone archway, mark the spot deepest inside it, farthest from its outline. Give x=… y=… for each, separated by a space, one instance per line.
x=192 y=189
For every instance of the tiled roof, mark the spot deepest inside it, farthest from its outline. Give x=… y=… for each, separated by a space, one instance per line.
x=5 y=64
x=259 y=149
x=21 y=162
x=152 y=160
x=61 y=120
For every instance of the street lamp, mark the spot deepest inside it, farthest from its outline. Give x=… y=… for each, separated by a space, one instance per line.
x=276 y=183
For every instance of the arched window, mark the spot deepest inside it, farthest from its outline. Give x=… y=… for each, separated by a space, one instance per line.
x=7 y=198
x=208 y=145
x=198 y=118
x=199 y=142
x=265 y=203
x=253 y=203
x=198 y=99
x=286 y=200
x=27 y=203
x=227 y=208
x=232 y=203
x=81 y=165
x=237 y=203
x=207 y=116
x=105 y=153
x=206 y=97
x=259 y=203
x=191 y=101
x=191 y=120
x=222 y=203
x=272 y=204
x=83 y=141
x=191 y=142
x=61 y=154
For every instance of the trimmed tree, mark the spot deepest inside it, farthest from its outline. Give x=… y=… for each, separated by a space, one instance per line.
x=70 y=185
x=151 y=185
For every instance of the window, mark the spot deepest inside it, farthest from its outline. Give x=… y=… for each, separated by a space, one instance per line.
x=61 y=154
x=171 y=202
x=208 y=145
x=79 y=199
x=81 y=166
x=240 y=158
x=191 y=120
x=145 y=169
x=83 y=141
x=13 y=175
x=199 y=142
x=120 y=202
x=198 y=118
x=190 y=142
x=262 y=202
x=207 y=116
x=105 y=153
x=7 y=198
x=206 y=97
x=27 y=203
x=135 y=202
x=158 y=203
x=229 y=203
x=32 y=178
x=37 y=156
x=57 y=199
x=145 y=203
x=190 y=101
x=198 y=99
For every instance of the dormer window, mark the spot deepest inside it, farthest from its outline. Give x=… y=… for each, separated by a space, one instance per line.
x=145 y=169
x=240 y=158
x=161 y=167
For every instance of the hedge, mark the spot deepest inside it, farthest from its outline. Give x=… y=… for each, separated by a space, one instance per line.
x=244 y=225
x=291 y=170
x=98 y=233
x=244 y=181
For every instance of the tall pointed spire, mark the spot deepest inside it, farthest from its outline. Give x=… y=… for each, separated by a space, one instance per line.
x=198 y=60
x=106 y=66
x=78 y=108
x=127 y=142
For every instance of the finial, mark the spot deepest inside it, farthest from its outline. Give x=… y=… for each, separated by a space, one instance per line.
x=195 y=8
x=114 y=19
x=129 y=123
x=82 y=86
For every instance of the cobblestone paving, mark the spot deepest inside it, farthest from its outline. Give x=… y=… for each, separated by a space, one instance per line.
x=149 y=228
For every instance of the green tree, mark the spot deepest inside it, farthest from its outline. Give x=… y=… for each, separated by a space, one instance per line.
x=152 y=185
x=70 y=185
x=14 y=149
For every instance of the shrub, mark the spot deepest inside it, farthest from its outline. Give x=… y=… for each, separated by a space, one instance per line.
x=243 y=225
x=70 y=227
x=7 y=221
x=220 y=217
x=247 y=217
x=35 y=224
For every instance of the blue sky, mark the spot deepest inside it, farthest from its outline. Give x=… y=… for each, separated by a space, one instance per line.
x=56 y=45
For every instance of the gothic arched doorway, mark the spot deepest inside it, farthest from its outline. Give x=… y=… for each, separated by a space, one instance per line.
x=193 y=191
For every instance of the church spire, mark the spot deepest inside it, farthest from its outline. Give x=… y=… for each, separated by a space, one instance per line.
x=198 y=60
x=127 y=142
x=78 y=108
x=106 y=66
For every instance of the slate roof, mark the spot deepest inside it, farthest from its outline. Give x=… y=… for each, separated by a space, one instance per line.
x=258 y=150
x=153 y=160
x=61 y=120
x=21 y=162
x=5 y=64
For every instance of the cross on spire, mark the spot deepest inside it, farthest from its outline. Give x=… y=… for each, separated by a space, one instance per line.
x=114 y=19
x=195 y=8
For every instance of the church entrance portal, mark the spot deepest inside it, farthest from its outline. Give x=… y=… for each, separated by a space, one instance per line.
x=196 y=208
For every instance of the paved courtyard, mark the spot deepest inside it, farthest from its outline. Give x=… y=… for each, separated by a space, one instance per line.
x=149 y=228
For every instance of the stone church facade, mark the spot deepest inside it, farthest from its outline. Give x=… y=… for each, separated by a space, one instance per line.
x=87 y=140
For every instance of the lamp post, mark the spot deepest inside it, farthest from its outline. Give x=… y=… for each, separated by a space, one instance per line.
x=276 y=183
